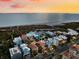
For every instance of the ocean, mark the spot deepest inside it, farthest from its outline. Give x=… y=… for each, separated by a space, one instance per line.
x=36 y=18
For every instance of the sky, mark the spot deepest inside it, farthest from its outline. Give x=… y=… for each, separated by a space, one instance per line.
x=36 y=18
x=35 y=6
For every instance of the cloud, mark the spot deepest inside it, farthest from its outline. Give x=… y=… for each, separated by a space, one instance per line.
x=5 y=0
x=17 y=6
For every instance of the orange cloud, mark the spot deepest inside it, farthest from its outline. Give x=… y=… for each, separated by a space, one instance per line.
x=17 y=6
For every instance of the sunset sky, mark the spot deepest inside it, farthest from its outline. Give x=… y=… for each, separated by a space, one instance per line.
x=31 y=6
